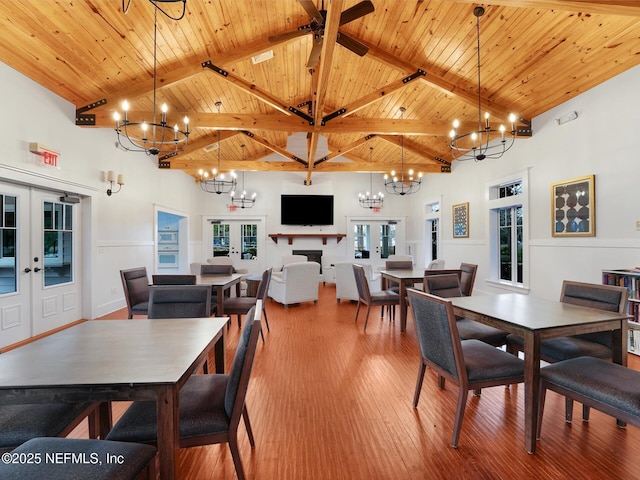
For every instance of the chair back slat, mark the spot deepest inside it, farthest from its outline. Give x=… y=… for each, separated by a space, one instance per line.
x=437 y=333
x=467 y=278
x=446 y=285
x=361 y=283
x=213 y=269
x=173 y=279
x=242 y=364
x=180 y=301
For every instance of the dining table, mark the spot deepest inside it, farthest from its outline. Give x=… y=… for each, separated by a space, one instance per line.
x=404 y=278
x=221 y=283
x=535 y=319
x=116 y=360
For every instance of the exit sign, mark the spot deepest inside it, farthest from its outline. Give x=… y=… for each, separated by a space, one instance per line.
x=49 y=156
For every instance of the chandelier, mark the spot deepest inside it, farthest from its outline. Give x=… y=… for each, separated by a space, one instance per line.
x=484 y=142
x=154 y=137
x=243 y=201
x=365 y=199
x=218 y=183
x=402 y=185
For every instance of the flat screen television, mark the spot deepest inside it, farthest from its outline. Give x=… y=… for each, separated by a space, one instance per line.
x=306 y=209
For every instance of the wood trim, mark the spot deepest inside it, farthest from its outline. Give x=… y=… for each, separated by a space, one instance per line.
x=291 y=236
x=13 y=346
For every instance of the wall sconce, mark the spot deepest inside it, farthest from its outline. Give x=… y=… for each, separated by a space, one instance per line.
x=111 y=178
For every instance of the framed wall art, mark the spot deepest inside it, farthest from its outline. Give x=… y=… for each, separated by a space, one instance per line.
x=573 y=207
x=461 y=220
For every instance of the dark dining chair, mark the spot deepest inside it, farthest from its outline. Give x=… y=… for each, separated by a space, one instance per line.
x=447 y=285
x=179 y=301
x=20 y=423
x=467 y=278
x=599 y=344
x=136 y=290
x=215 y=269
x=365 y=297
x=210 y=405
x=173 y=279
x=396 y=265
x=139 y=460
x=470 y=364
x=241 y=305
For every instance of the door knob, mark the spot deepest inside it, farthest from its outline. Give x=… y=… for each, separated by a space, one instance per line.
x=27 y=270
x=37 y=269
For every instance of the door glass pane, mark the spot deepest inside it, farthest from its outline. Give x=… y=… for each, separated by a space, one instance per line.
x=434 y=238
x=220 y=247
x=387 y=240
x=362 y=241
x=8 y=243
x=249 y=241
x=519 y=244
x=58 y=243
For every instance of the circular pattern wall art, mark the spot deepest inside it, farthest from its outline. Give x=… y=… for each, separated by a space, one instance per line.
x=573 y=207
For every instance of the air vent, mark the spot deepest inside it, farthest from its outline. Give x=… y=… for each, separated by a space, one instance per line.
x=210 y=148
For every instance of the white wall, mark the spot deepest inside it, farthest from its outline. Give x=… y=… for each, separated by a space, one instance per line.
x=602 y=141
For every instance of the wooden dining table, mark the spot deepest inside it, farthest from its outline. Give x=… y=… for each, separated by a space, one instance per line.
x=221 y=283
x=535 y=319
x=404 y=278
x=116 y=360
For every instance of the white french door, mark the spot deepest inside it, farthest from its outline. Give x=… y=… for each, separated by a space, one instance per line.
x=373 y=240
x=39 y=262
x=240 y=239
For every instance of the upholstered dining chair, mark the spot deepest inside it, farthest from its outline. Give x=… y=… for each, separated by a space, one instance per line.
x=139 y=460
x=467 y=278
x=215 y=269
x=136 y=290
x=470 y=364
x=179 y=301
x=20 y=423
x=599 y=345
x=210 y=405
x=365 y=297
x=241 y=305
x=447 y=285
x=173 y=279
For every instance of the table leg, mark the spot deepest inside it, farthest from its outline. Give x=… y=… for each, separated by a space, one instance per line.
x=220 y=307
x=402 y=291
x=218 y=350
x=619 y=352
x=168 y=431
x=531 y=389
x=106 y=419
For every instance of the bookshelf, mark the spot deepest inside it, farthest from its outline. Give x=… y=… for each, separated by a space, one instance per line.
x=629 y=278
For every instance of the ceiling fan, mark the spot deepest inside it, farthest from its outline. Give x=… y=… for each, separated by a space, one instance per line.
x=316 y=27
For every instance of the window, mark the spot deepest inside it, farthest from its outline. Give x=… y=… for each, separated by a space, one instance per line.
x=508 y=207
x=432 y=231
x=361 y=240
x=58 y=243
x=8 y=243
x=249 y=241
x=220 y=239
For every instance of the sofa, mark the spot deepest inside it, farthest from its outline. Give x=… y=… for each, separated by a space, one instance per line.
x=298 y=282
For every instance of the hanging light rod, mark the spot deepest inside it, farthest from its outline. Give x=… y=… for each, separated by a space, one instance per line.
x=401 y=184
x=485 y=142
x=218 y=183
x=368 y=199
x=153 y=137
x=243 y=201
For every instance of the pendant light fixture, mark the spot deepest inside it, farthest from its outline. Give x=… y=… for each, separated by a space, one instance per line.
x=243 y=201
x=368 y=200
x=402 y=184
x=218 y=183
x=153 y=137
x=485 y=142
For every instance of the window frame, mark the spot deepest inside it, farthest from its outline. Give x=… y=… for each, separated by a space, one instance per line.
x=494 y=205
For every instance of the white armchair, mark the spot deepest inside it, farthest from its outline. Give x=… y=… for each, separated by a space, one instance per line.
x=346 y=288
x=328 y=268
x=297 y=283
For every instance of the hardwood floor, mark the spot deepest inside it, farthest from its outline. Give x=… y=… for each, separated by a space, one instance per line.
x=330 y=402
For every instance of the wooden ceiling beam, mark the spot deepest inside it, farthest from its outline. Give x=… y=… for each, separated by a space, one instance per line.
x=276 y=149
x=413 y=148
x=205 y=141
x=294 y=124
x=605 y=7
x=357 y=164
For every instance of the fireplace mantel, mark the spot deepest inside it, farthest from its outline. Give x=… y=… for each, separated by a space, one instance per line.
x=323 y=236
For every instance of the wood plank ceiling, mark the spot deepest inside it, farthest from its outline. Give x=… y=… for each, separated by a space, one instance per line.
x=535 y=55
